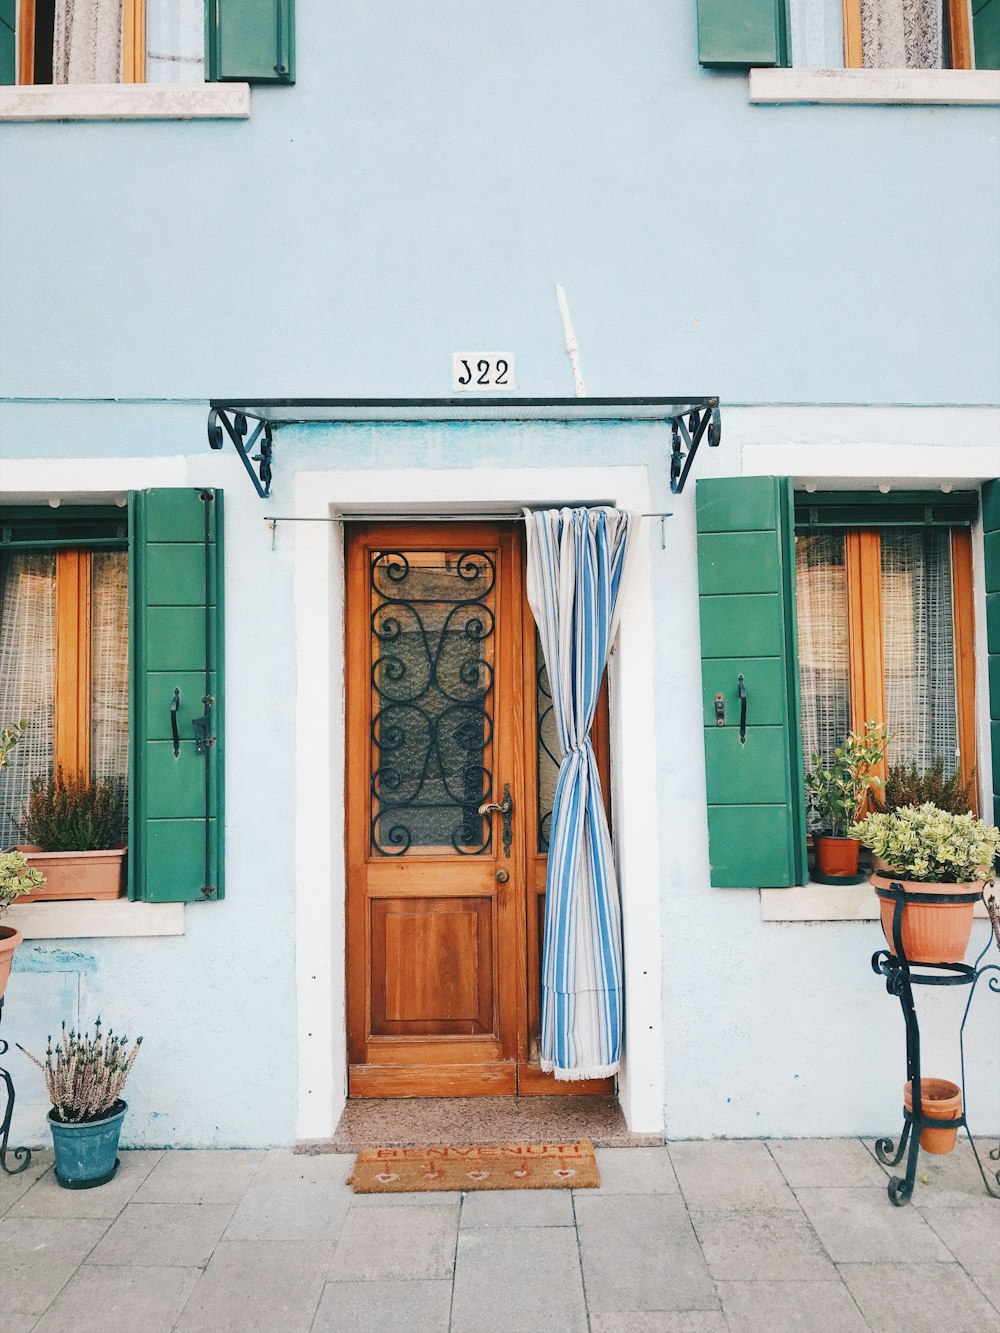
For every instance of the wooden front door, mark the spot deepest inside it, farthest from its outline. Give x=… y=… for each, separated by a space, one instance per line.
x=446 y=714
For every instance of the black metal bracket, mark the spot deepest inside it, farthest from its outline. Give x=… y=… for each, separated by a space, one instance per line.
x=21 y=1155
x=236 y=426
x=686 y=435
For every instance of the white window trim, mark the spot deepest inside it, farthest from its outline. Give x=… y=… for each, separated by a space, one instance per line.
x=826 y=902
x=82 y=919
x=126 y=101
x=888 y=87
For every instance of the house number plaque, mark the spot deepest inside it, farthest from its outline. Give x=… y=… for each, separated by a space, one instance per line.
x=478 y=372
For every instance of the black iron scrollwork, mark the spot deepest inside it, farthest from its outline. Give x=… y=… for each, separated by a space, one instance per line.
x=432 y=679
x=234 y=424
x=22 y=1156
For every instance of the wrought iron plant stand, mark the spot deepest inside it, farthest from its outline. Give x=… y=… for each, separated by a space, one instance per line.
x=900 y=978
x=21 y=1155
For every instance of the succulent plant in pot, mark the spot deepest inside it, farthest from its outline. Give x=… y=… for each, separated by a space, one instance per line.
x=940 y=861
x=835 y=792
x=85 y=1077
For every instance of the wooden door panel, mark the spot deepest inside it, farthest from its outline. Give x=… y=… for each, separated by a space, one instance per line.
x=433 y=699
x=432 y=967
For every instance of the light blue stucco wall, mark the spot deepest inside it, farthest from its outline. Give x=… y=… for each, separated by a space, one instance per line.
x=436 y=169
x=433 y=173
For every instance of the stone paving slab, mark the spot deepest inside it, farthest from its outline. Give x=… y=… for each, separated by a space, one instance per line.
x=791 y=1236
x=519 y=1279
x=100 y=1298
x=920 y=1298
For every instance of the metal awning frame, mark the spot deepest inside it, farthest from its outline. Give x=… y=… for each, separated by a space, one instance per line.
x=250 y=424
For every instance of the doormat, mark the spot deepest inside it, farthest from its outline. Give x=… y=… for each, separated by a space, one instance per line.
x=501 y=1166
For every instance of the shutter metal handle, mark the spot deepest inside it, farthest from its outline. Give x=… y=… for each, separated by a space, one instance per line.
x=174 y=705
x=279 y=9
x=743 y=711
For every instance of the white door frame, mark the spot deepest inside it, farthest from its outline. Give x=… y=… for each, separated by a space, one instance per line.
x=320 y=884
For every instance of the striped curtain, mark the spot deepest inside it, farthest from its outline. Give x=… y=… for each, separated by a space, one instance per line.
x=577 y=561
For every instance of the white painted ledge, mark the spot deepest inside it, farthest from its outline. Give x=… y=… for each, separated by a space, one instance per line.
x=126 y=101
x=825 y=902
x=84 y=919
x=889 y=87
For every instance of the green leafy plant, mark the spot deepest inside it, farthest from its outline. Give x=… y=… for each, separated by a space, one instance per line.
x=85 y=1075
x=75 y=813
x=907 y=785
x=9 y=737
x=930 y=845
x=16 y=878
x=836 y=790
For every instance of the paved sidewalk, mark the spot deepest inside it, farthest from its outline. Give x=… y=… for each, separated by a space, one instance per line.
x=717 y=1237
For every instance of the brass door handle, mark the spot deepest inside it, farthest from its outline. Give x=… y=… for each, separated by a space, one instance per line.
x=506 y=809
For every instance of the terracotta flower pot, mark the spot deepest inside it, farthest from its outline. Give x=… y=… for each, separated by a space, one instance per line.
x=10 y=938
x=836 y=856
x=931 y=932
x=941 y=1100
x=75 y=874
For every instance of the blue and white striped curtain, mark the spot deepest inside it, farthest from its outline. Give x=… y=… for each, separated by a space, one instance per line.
x=577 y=561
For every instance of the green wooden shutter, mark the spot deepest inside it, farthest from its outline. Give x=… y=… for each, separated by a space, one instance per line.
x=991 y=530
x=746 y=584
x=250 y=41
x=8 y=41
x=176 y=643
x=986 y=33
x=741 y=33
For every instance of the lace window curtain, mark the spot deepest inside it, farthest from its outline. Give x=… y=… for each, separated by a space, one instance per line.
x=27 y=677
x=824 y=656
x=109 y=664
x=919 y=646
x=87 y=45
x=903 y=34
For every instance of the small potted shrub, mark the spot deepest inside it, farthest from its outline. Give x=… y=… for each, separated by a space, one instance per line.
x=74 y=827
x=835 y=793
x=16 y=877
x=933 y=854
x=85 y=1078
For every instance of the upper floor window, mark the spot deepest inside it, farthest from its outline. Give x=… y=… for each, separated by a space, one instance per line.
x=80 y=41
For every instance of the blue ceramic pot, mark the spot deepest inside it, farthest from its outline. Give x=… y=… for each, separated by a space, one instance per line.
x=87 y=1154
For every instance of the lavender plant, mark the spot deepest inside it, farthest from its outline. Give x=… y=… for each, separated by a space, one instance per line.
x=85 y=1075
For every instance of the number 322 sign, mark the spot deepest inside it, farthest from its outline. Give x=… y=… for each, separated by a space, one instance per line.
x=473 y=372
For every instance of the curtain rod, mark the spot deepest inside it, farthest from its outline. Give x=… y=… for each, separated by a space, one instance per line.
x=272 y=520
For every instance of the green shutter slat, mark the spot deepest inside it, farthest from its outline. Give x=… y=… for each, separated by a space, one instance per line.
x=746 y=576
x=8 y=41
x=991 y=551
x=250 y=41
x=986 y=33
x=176 y=800
x=742 y=33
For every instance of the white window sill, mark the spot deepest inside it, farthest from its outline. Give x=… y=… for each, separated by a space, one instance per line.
x=825 y=902
x=84 y=919
x=126 y=101
x=890 y=87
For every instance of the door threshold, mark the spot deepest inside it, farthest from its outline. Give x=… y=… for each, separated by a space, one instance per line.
x=409 y=1122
